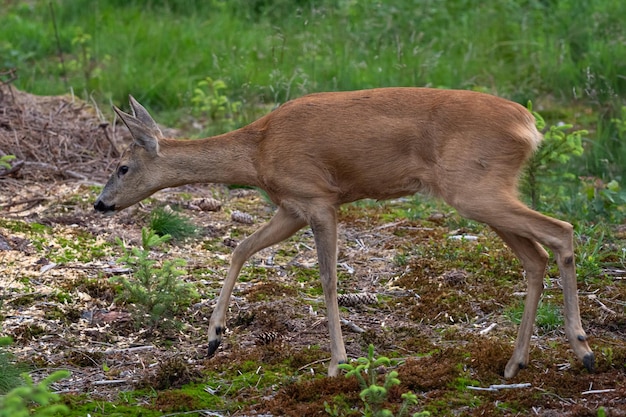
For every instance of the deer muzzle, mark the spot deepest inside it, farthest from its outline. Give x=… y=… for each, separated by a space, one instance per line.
x=103 y=208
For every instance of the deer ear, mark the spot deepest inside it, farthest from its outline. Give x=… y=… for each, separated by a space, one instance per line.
x=143 y=135
x=142 y=114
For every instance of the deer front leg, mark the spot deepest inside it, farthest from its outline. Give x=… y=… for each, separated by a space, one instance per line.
x=325 y=231
x=280 y=227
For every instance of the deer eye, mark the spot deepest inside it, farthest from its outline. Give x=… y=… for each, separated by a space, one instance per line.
x=122 y=170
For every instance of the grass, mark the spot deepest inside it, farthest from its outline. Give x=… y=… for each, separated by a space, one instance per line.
x=164 y=221
x=548 y=319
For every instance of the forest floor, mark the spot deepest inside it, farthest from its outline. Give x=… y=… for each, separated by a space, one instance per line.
x=439 y=295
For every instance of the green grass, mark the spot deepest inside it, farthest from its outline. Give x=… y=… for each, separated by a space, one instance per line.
x=168 y=222
x=280 y=49
x=549 y=316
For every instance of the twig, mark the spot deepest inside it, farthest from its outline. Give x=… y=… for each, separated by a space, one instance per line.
x=128 y=350
x=616 y=273
x=206 y=413
x=313 y=363
x=350 y=325
x=110 y=382
x=598 y=391
x=30 y=202
x=488 y=329
x=604 y=307
x=388 y=225
x=500 y=386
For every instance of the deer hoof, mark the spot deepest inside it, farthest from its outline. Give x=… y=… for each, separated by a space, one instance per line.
x=215 y=343
x=589 y=361
x=512 y=369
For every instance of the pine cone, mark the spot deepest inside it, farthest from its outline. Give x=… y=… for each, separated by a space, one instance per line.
x=454 y=277
x=239 y=217
x=267 y=337
x=352 y=300
x=205 y=204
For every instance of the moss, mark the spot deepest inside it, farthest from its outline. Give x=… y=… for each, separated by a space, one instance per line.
x=268 y=290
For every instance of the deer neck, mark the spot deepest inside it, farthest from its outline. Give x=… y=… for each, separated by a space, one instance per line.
x=223 y=159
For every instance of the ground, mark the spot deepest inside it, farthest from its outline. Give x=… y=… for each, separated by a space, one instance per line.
x=438 y=294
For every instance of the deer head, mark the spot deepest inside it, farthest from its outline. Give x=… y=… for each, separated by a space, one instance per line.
x=137 y=174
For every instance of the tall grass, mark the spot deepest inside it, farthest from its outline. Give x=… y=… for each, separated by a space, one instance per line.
x=555 y=52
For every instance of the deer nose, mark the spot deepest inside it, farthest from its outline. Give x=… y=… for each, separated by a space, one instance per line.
x=100 y=206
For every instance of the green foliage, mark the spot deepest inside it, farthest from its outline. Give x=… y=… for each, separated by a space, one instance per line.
x=552 y=187
x=210 y=99
x=280 y=48
x=5 y=161
x=602 y=200
x=372 y=394
x=10 y=372
x=560 y=144
x=157 y=292
x=28 y=399
x=620 y=123
x=82 y=61
x=165 y=221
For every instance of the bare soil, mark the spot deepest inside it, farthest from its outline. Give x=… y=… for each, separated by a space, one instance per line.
x=440 y=302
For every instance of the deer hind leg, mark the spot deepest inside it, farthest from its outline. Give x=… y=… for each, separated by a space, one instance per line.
x=324 y=226
x=280 y=227
x=510 y=217
x=534 y=259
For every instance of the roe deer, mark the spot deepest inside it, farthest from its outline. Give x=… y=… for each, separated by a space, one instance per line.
x=319 y=151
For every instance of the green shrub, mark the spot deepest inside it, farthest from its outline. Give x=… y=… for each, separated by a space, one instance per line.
x=20 y=397
x=34 y=400
x=156 y=292
x=372 y=394
x=560 y=144
x=210 y=100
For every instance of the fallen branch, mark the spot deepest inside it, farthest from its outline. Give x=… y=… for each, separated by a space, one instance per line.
x=603 y=307
x=204 y=413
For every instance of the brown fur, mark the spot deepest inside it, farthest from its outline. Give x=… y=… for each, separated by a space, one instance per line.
x=317 y=152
